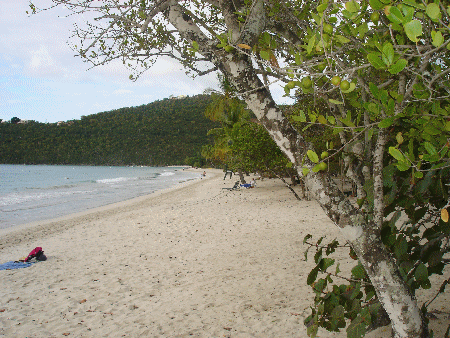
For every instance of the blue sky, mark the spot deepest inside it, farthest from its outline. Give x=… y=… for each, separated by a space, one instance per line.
x=41 y=80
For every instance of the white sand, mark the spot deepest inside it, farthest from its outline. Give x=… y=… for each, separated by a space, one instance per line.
x=193 y=261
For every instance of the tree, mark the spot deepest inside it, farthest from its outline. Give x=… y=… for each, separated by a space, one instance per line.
x=230 y=112
x=378 y=67
x=255 y=151
x=15 y=120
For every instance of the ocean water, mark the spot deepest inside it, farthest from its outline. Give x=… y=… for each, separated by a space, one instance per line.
x=30 y=193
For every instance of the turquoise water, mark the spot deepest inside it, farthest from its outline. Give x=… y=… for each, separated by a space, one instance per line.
x=31 y=193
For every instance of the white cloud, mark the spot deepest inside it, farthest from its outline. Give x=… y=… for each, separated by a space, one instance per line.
x=41 y=63
x=37 y=63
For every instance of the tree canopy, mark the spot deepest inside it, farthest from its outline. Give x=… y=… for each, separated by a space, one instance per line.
x=164 y=132
x=377 y=74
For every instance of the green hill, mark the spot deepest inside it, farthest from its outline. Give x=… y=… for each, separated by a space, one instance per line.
x=160 y=133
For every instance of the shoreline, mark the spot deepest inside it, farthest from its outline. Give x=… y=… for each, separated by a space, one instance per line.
x=196 y=260
x=87 y=215
x=75 y=191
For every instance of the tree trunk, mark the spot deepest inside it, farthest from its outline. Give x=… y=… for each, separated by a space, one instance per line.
x=241 y=176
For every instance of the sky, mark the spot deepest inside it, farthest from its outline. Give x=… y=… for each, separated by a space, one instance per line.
x=42 y=80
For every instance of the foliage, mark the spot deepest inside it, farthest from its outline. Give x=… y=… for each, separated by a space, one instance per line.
x=15 y=120
x=230 y=113
x=255 y=151
x=240 y=143
x=416 y=236
x=393 y=59
x=160 y=133
x=335 y=304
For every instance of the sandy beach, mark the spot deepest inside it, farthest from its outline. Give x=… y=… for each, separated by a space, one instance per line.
x=196 y=260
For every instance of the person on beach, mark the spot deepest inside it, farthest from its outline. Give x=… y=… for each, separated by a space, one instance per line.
x=253 y=183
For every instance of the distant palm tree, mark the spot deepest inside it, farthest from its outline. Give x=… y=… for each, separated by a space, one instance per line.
x=230 y=112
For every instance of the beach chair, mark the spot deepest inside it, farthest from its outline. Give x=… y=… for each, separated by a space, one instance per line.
x=235 y=186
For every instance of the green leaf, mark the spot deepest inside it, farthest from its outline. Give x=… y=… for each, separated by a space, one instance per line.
x=395 y=153
x=321 y=8
x=312 y=275
x=305 y=171
x=374 y=90
x=357 y=328
x=322 y=119
x=264 y=55
x=370 y=295
x=326 y=263
x=311 y=44
x=335 y=101
x=302 y=116
x=437 y=38
x=317 y=168
x=430 y=148
x=401 y=247
x=388 y=54
x=338 y=312
x=298 y=59
x=316 y=18
x=418 y=174
x=433 y=11
x=341 y=39
x=420 y=91
x=395 y=16
x=426 y=284
x=421 y=273
x=195 y=45
x=375 y=60
x=356 y=292
x=320 y=285
x=412 y=3
x=352 y=6
x=403 y=166
x=311 y=331
x=408 y=12
x=447 y=126
x=305 y=239
x=398 y=66
x=358 y=272
x=387 y=122
x=347 y=121
x=376 y=4
x=312 y=156
x=413 y=30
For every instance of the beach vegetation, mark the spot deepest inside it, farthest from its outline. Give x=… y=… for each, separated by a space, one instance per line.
x=391 y=117
x=241 y=144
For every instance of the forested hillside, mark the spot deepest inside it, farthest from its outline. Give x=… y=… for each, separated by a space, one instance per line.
x=160 y=133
